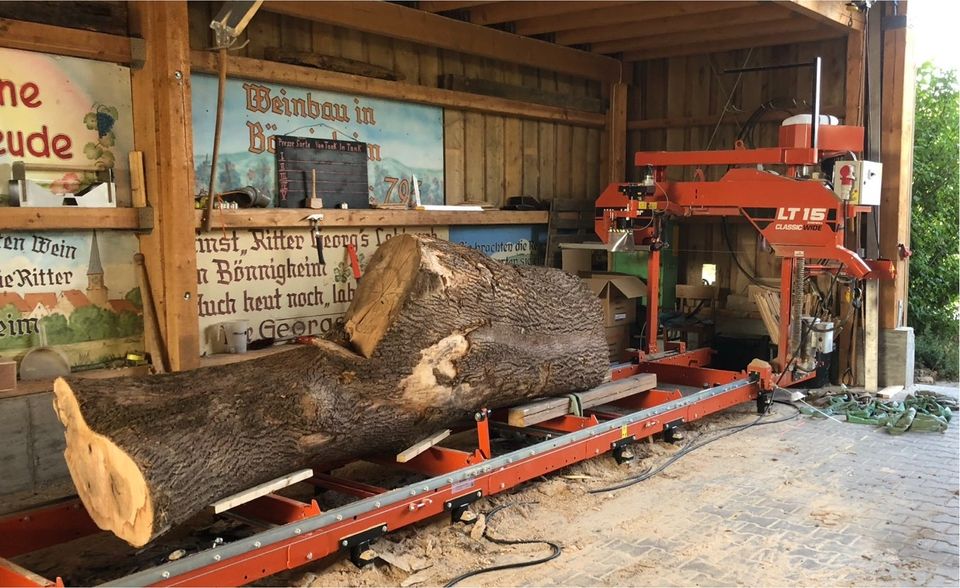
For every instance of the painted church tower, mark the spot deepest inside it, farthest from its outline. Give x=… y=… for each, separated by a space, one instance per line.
x=96 y=289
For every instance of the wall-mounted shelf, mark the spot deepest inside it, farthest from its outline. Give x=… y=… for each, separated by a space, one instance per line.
x=296 y=217
x=63 y=219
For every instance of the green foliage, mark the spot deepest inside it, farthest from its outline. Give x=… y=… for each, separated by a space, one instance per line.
x=10 y=317
x=57 y=329
x=935 y=265
x=134 y=297
x=92 y=323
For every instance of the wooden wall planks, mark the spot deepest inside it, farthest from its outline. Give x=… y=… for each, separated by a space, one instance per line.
x=487 y=157
x=695 y=86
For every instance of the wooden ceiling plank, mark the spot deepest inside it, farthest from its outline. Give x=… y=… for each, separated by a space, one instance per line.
x=830 y=12
x=632 y=12
x=703 y=48
x=710 y=35
x=417 y=26
x=738 y=16
x=501 y=12
x=447 y=5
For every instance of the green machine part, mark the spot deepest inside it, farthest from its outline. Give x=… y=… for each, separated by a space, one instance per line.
x=634 y=263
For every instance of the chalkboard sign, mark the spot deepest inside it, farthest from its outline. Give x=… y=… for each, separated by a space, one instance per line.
x=334 y=171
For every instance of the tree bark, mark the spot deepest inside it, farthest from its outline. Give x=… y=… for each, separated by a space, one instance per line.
x=435 y=332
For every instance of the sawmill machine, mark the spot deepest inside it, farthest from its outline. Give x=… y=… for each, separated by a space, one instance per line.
x=788 y=194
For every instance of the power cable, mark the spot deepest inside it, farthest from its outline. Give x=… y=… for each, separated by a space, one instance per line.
x=555 y=549
x=693 y=446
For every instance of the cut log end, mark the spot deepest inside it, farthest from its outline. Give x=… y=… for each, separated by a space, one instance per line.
x=108 y=481
x=389 y=278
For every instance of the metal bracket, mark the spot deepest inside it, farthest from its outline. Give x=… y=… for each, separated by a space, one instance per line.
x=138 y=53
x=621 y=449
x=671 y=431
x=359 y=543
x=457 y=506
x=145 y=219
x=764 y=401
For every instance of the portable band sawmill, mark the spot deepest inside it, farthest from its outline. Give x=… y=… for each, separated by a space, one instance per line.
x=803 y=214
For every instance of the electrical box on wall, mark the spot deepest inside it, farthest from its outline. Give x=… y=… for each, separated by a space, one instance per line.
x=858 y=181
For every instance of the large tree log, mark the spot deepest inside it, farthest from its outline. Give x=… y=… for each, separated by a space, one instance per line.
x=439 y=331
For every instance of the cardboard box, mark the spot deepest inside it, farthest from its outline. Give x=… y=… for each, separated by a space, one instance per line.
x=618 y=295
x=574 y=261
x=618 y=339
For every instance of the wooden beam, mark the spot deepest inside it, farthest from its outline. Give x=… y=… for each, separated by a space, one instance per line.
x=29 y=36
x=162 y=131
x=635 y=12
x=617 y=134
x=521 y=93
x=834 y=13
x=730 y=17
x=500 y=12
x=704 y=48
x=259 y=490
x=447 y=5
x=710 y=34
x=896 y=148
x=417 y=26
x=539 y=411
x=855 y=78
x=421 y=446
x=281 y=73
x=291 y=217
x=68 y=219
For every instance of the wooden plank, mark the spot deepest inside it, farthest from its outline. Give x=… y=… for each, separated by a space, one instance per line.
x=30 y=36
x=162 y=124
x=531 y=158
x=281 y=73
x=494 y=157
x=521 y=93
x=733 y=118
x=635 y=12
x=138 y=187
x=896 y=146
x=421 y=446
x=453 y=153
x=474 y=154
x=578 y=157
x=289 y=217
x=406 y=62
x=838 y=15
x=548 y=160
x=447 y=5
x=260 y=490
x=564 y=169
x=399 y=22
x=513 y=157
x=729 y=16
x=551 y=408
x=616 y=128
x=500 y=12
x=760 y=40
x=777 y=25
x=59 y=219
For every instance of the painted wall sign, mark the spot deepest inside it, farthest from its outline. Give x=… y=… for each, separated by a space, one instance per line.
x=514 y=244
x=70 y=112
x=272 y=279
x=74 y=291
x=403 y=140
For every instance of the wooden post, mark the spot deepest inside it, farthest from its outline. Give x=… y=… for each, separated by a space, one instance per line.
x=854 y=115
x=616 y=128
x=896 y=148
x=162 y=131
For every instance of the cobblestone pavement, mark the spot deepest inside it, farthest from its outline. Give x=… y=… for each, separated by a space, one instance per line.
x=806 y=502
